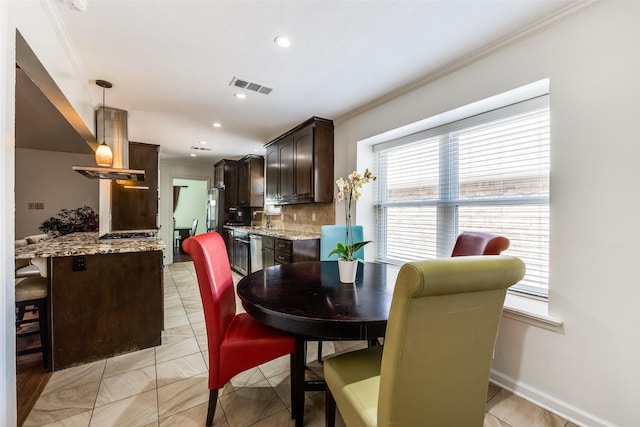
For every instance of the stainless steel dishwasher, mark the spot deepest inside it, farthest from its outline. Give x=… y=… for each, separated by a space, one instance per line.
x=255 y=245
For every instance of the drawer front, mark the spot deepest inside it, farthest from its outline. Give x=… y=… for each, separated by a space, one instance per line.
x=283 y=245
x=282 y=257
x=268 y=242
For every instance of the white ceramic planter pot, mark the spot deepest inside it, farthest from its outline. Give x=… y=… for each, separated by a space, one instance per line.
x=347 y=270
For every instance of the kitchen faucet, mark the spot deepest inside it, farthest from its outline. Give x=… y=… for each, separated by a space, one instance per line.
x=264 y=213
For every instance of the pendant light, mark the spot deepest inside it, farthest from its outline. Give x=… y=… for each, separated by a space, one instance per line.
x=104 y=156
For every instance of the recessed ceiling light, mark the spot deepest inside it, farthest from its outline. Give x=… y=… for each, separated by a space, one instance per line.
x=282 y=41
x=192 y=154
x=217 y=125
x=203 y=142
x=240 y=95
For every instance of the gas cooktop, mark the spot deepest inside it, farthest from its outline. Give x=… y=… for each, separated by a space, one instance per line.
x=128 y=235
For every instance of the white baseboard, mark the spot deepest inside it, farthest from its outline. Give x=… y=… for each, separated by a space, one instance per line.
x=565 y=410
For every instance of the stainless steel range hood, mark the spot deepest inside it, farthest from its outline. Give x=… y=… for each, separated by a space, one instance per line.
x=116 y=137
x=98 y=172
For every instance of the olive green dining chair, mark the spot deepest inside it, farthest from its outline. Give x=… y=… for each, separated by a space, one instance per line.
x=434 y=367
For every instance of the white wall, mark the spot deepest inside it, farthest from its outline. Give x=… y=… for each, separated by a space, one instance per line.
x=170 y=171
x=35 y=23
x=589 y=371
x=7 y=296
x=40 y=177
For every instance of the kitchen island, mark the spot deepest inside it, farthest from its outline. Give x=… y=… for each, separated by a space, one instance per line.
x=105 y=296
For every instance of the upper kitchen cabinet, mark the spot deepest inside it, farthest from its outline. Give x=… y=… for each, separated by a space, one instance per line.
x=300 y=164
x=251 y=181
x=134 y=205
x=225 y=175
x=242 y=180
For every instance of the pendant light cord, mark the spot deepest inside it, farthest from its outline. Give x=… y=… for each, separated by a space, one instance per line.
x=104 y=135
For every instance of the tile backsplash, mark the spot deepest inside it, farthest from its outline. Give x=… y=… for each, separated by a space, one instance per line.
x=306 y=217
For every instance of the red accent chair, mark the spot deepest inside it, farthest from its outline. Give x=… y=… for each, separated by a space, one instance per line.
x=478 y=243
x=236 y=342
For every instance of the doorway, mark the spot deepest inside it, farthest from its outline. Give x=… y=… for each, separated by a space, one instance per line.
x=189 y=208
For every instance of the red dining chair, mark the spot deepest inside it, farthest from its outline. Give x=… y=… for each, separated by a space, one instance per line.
x=479 y=243
x=236 y=342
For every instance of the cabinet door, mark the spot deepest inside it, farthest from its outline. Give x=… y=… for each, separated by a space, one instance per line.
x=230 y=184
x=272 y=192
x=268 y=256
x=244 y=186
x=137 y=208
x=303 y=143
x=287 y=164
x=256 y=182
x=218 y=176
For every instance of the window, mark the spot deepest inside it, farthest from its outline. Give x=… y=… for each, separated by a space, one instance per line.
x=489 y=172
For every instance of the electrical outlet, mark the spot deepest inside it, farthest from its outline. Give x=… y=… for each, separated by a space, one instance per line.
x=295 y=216
x=36 y=205
x=313 y=216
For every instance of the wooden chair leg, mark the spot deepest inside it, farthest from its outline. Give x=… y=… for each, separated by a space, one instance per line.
x=44 y=334
x=330 y=409
x=213 y=400
x=292 y=375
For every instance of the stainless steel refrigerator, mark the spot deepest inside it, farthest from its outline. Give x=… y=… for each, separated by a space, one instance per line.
x=215 y=210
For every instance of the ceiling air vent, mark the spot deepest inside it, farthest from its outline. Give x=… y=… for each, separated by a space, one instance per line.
x=193 y=147
x=246 y=84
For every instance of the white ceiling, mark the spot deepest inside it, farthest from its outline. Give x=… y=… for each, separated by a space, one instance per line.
x=171 y=61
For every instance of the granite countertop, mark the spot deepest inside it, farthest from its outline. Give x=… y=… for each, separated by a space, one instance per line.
x=87 y=244
x=279 y=233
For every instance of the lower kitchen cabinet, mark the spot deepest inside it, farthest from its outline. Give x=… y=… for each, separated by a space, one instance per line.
x=240 y=252
x=287 y=251
x=268 y=251
x=274 y=250
x=104 y=305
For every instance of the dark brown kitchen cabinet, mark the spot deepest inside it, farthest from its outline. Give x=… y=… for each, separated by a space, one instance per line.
x=272 y=159
x=218 y=174
x=300 y=164
x=286 y=156
x=268 y=251
x=104 y=305
x=283 y=251
x=251 y=181
x=134 y=204
x=225 y=175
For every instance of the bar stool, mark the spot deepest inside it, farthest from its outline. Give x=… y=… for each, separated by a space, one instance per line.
x=32 y=292
x=24 y=268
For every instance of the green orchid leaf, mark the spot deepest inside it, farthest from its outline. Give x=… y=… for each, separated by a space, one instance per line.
x=356 y=246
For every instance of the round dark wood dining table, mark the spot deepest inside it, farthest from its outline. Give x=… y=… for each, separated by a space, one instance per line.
x=308 y=300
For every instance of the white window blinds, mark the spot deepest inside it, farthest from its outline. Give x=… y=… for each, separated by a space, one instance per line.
x=488 y=172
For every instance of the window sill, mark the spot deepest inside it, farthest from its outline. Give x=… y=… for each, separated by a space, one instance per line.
x=530 y=310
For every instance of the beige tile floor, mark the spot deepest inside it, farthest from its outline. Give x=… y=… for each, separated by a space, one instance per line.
x=167 y=385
